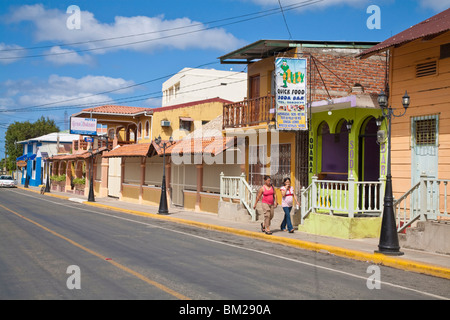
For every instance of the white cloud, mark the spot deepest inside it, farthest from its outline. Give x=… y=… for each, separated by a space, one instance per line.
x=10 y=53
x=156 y=33
x=60 y=91
x=437 y=5
x=306 y=4
x=60 y=56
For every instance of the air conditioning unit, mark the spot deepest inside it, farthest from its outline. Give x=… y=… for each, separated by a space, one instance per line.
x=165 y=123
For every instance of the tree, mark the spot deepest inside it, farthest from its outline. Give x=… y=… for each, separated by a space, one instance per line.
x=19 y=131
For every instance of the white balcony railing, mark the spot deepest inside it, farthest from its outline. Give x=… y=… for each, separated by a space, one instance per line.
x=344 y=197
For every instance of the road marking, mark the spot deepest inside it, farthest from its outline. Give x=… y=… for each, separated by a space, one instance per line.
x=116 y=264
x=242 y=248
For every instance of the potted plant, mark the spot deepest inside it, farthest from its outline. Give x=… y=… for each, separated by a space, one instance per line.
x=59 y=182
x=79 y=184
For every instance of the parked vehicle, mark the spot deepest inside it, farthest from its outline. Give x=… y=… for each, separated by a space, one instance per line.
x=7 y=181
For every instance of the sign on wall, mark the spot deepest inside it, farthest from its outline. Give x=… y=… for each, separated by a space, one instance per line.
x=290 y=98
x=83 y=126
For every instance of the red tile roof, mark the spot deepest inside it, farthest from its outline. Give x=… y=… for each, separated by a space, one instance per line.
x=188 y=104
x=129 y=150
x=205 y=145
x=76 y=156
x=116 y=109
x=431 y=27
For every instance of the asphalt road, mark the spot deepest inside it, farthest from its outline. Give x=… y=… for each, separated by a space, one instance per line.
x=57 y=249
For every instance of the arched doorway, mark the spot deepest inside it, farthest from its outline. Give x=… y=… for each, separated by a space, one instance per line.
x=369 y=151
x=369 y=164
x=334 y=158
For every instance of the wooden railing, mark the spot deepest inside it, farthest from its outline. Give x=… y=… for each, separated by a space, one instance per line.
x=249 y=112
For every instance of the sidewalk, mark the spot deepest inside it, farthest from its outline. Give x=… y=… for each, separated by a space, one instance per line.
x=359 y=249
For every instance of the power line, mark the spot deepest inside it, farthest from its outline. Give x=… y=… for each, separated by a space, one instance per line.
x=284 y=18
x=129 y=99
x=104 y=92
x=145 y=33
x=260 y=14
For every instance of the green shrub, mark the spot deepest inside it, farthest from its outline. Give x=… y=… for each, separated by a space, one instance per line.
x=79 y=181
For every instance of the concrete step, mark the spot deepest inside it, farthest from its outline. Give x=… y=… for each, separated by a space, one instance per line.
x=431 y=236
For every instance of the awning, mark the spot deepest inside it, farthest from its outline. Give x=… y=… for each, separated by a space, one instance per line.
x=32 y=157
x=186 y=119
x=210 y=145
x=77 y=156
x=129 y=150
x=22 y=158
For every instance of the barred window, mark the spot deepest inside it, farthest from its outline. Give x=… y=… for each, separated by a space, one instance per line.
x=280 y=163
x=425 y=132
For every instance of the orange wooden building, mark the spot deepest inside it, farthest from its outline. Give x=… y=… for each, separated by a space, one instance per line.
x=419 y=63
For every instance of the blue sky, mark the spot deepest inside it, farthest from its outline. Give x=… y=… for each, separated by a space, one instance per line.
x=57 y=69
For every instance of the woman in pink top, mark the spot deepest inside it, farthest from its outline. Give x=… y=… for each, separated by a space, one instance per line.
x=287 y=201
x=269 y=202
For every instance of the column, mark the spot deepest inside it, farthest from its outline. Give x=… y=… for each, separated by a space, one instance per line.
x=142 y=182
x=122 y=174
x=104 y=179
x=168 y=167
x=68 y=175
x=199 y=185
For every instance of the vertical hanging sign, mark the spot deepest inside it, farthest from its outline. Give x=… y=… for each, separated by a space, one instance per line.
x=290 y=84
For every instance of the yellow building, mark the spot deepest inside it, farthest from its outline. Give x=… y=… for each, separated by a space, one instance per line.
x=179 y=120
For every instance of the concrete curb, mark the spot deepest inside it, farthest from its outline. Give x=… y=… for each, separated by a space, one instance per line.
x=376 y=258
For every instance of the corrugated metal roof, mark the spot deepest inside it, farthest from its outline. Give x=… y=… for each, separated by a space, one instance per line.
x=267 y=48
x=428 y=28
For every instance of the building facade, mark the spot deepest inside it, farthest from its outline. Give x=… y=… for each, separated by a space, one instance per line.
x=36 y=152
x=192 y=84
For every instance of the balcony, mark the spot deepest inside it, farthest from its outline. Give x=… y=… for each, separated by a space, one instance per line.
x=249 y=112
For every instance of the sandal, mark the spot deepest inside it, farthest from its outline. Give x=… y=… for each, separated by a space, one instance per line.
x=262 y=228
x=291 y=231
x=268 y=232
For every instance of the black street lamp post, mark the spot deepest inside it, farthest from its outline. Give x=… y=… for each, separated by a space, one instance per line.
x=389 y=244
x=47 y=184
x=163 y=208
x=91 y=197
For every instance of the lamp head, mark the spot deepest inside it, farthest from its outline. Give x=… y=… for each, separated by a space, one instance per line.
x=382 y=100
x=406 y=100
x=349 y=125
x=379 y=121
x=171 y=139
x=158 y=140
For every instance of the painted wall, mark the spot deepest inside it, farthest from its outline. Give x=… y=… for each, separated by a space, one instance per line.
x=199 y=111
x=192 y=84
x=335 y=121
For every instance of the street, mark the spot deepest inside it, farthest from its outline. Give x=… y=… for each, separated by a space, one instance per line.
x=53 y=249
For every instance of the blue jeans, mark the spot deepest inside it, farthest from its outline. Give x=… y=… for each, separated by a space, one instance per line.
x=287 y=219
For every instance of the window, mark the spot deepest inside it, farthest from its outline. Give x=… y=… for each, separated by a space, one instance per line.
x=445 y=51
x=140 y=130
x=185 y=125
x=280 y=163
x=147 y=129
x=256 y=160
x=425 y=132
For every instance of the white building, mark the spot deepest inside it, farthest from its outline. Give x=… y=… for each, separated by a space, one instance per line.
x=191 y=84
